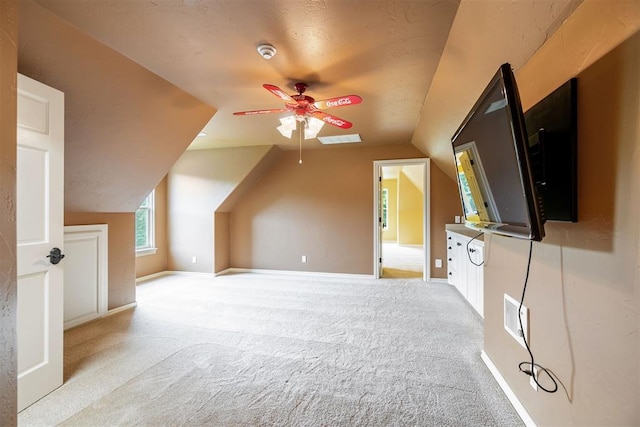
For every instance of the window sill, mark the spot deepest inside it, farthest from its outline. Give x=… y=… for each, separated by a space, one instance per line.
x=146 y=251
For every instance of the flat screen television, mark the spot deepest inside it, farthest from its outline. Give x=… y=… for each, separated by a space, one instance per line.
x=494 y=172
x=552 y=127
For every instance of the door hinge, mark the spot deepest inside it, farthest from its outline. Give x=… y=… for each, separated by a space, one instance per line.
x=380 y=260
x=380 y=178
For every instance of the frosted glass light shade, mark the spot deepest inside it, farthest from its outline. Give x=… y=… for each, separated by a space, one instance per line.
x=287 y=127
x=312 y=128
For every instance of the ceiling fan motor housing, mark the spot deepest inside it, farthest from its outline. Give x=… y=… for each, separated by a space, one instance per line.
x=301 y=87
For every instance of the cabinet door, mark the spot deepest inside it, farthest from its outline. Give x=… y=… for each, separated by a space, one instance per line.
x=460 y=254
x=475 y=271
x=451 y=270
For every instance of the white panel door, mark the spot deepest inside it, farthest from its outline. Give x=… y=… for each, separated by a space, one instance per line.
x=40 y=221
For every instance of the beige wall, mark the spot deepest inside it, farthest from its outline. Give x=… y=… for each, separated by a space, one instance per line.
x=122 y=247
x=155 y=263
x=584 y=286
x=8 y=69
x=445 y=205
x=221 y=229
x=322 y=209
x=410 y=210
x=199 y=184
x=124 y=125
x=391 y=233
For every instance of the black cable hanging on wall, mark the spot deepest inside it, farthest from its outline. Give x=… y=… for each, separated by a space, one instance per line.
x=529 y=367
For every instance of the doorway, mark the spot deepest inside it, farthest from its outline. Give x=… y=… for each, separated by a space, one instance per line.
x=401 y=218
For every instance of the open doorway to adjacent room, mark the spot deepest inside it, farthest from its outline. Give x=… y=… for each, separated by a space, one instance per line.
x=401 y=218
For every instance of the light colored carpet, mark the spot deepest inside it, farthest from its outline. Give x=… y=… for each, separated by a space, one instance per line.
x=264 y=350
x=402 y=261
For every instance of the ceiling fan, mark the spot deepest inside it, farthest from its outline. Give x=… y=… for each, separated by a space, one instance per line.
x=304 y=106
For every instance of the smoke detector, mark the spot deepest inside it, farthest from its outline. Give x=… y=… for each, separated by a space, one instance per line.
x=266 y=51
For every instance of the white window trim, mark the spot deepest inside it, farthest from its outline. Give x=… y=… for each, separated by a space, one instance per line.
x=146 y=251
x=151 y=249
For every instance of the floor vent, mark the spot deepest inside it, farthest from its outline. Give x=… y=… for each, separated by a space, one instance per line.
x=511 y=321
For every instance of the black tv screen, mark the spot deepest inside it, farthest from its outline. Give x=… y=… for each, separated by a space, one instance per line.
x=494 y=172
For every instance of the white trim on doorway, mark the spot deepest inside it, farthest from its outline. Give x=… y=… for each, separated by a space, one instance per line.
x=377 y=231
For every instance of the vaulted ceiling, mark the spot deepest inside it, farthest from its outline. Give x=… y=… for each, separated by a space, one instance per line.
x=385 y=51
x=418 y=64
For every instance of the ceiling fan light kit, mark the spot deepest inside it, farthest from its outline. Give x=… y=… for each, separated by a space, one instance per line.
x=310 y=125
x=267 y=51
x=306 y=110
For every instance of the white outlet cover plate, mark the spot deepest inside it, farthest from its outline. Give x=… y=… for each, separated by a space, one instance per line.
x=511 y=321
x=532 y=382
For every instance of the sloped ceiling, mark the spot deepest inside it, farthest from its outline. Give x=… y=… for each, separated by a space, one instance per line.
x=124 y=126
x=484 y=35
x=383 y=50
x=419 y=66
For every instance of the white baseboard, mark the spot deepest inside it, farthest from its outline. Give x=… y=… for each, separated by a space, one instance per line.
x=256 y=271
x=190 y=273
x=105 y=315
x=223 y=272
x=121 y=309
x=296 y=273
x=173 y=273
x=151 y=276
x=526 y=418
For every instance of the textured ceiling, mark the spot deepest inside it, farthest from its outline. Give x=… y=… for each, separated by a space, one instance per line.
x=124 y=126
x=419 y=65
x=484 y=35
x=385 y=51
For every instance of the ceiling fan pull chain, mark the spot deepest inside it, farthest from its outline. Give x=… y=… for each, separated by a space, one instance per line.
x=301 y=130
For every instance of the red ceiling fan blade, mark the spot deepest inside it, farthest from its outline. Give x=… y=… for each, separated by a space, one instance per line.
x=332 y=120
x=251 y=113
x=339 y=101
x=279 y=93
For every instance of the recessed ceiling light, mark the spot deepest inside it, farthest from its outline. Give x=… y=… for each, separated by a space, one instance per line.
x=340 y=139
x=201 y=134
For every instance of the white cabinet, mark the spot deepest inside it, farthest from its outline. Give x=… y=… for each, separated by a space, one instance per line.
x=456 y=269
x=464 y=267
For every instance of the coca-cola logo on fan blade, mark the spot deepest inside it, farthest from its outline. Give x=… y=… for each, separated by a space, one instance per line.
x=334 y=121
x=339 y=102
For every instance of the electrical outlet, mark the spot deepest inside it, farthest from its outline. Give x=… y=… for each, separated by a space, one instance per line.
x=438 y=263
x=194 y=259
x=512 y=320
x=457 y=219
x=304 y=258
x=534 y=377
